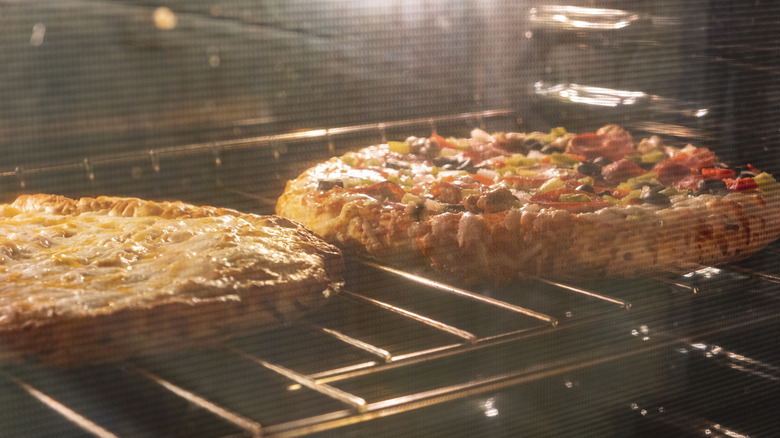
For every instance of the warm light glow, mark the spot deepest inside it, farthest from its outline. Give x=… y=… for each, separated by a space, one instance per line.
x=490 y=407
x=164 y=18
x=38 y=32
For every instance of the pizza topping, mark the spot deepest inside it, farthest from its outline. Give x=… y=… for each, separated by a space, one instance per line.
x=446 y=192
x=741 y=184
x=717 y=173
x=511 y=141
x=490 y=173
x=690 y=181
x=651 y=145
x=589 y=168
x=568 y=160
x=522 y=182
x=394 y=163
x=457 y=162
x=654 y=196
x=670 y=172
x=399 y=147
x=692 y=157
x=494 y=201
x=327 y=184
x=551 y=184
x=621 y=170
x=574 y=197
x=653 y=157
x=384 y=191
x=480 y=152
x=712 y=186
x=613 y=145
x=569 y=199
x=766 y=182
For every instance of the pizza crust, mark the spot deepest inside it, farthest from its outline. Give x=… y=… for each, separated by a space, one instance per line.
x=99 y=279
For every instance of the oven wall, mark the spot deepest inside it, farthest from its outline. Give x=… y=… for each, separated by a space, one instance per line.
x=87 y=78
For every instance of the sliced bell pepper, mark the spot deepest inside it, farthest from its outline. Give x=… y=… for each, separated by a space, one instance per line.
x=553 y=199
x=717 y=173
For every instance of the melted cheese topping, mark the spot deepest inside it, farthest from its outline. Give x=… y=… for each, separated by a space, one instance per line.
x=92 y=263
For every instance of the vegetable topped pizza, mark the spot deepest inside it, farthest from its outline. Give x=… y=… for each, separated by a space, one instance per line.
x=506 y=206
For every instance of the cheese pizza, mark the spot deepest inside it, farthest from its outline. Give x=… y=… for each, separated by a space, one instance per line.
x=501 y=207
x=98 y=279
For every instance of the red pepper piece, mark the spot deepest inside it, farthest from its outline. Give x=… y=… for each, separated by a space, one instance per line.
x=741 y=185
x=717 y=173
x=442 y=142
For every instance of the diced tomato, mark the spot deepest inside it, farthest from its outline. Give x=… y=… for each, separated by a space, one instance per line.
x=717 y=173
x=550 y=199
x=482 y=179
x=753 y=169
x=442 y=142
x=741 y=185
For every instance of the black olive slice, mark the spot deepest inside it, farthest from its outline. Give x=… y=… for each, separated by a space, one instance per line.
x=712 y=186
x=655 y=198
x=397 y=164
x=327 y=184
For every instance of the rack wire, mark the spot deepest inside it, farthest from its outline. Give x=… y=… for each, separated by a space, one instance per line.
x=349 y=406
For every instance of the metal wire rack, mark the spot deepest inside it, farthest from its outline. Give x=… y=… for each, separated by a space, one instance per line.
x=253 y=387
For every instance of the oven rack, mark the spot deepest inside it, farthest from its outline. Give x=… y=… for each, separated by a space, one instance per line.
x=607 y=311
x=274 y=146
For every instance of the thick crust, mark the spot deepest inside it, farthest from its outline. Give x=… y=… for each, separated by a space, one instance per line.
x=99 y=279
x=613 y=242
x=622 y=240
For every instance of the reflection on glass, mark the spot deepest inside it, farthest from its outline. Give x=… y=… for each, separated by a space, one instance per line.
x=589 y=95
x=38 y=32
x=575 y=17
x=609 y=97
x=490 y=407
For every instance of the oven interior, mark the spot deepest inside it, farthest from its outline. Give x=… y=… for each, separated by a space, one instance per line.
x=221 y=102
